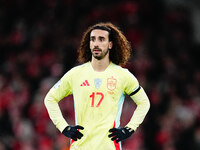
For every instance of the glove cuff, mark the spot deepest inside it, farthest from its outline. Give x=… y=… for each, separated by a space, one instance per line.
x=67 y=128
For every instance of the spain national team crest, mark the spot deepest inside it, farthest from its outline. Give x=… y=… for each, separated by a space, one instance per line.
x=111 y=83
x=97 y=82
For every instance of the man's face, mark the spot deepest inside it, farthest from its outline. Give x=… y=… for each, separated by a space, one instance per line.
x=99 y=43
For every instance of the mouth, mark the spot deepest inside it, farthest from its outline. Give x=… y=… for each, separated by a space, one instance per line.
x=97 y=50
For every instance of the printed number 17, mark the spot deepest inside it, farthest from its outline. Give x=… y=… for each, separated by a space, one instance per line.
x=93 y=96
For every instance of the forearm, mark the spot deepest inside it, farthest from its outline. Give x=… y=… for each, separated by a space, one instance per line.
x=143 y=105
x=54 y=112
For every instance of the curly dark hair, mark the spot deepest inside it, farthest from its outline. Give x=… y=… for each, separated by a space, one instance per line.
x=121 y=49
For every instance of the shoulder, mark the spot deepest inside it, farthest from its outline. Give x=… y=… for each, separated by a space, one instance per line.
x=120 y=69
x=124 y=72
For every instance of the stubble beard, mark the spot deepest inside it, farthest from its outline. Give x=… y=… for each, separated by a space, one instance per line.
x=101 y=56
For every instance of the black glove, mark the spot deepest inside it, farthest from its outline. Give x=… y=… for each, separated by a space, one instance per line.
x=120 y=134
x=72 y=132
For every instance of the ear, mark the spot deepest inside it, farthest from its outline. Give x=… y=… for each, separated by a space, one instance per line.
x=110 y=45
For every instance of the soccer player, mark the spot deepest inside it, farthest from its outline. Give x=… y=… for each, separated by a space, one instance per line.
x=99 y=87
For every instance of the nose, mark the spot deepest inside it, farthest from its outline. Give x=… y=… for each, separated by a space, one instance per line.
x=96 y=43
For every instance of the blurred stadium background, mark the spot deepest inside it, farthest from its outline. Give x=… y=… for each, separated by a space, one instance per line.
x=38 y=43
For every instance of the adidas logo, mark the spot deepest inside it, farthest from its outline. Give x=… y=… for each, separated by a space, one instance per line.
x=85 y=83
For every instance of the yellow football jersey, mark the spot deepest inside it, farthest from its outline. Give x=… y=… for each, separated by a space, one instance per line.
x=98 y=100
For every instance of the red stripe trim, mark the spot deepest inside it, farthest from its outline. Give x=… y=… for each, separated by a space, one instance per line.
x=117 y=146
x=71 y=144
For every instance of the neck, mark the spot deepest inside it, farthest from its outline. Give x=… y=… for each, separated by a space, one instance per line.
x=100 y=65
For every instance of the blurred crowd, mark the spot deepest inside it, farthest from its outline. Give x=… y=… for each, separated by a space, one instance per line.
x=38 y=43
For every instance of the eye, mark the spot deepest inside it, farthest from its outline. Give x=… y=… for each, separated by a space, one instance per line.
x=101 y=39
x=92 y=39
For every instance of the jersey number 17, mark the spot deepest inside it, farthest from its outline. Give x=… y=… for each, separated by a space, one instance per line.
x=93 y=95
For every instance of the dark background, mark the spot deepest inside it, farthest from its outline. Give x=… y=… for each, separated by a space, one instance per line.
x=38 y=43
